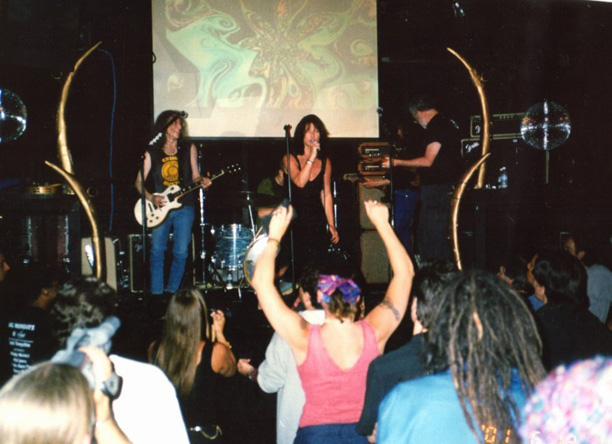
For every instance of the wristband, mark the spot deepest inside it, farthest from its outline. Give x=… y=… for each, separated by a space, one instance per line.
x=274 y=241
x=311 y=162
x=252 y=374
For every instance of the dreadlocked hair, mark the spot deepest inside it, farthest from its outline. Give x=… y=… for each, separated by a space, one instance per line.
x=483 y=331
x=185 y=325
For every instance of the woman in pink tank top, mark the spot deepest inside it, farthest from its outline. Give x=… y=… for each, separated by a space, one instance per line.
x=333 y=359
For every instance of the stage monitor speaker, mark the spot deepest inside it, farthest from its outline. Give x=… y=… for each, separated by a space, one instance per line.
x=135 y=253
x=112 y=249
x=374 y=262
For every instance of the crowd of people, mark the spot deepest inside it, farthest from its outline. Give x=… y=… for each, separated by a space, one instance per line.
x=524 y=356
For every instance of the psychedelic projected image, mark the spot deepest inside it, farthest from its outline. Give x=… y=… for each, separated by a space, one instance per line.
x=246 y=68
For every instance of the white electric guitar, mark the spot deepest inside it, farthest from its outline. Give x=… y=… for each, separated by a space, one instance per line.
x=156 y=215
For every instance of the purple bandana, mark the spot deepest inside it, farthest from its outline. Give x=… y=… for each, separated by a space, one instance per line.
x=328 y=283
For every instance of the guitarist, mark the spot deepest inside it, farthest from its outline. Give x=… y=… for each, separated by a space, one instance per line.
x=173 y=160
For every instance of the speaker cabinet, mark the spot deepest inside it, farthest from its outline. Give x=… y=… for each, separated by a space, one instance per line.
x=136 y=260
x=374 y=262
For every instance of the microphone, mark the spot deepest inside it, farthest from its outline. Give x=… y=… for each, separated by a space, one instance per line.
x=183 y=114
x=312 y=142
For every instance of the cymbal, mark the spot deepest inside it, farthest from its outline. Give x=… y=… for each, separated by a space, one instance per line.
x=247 y=198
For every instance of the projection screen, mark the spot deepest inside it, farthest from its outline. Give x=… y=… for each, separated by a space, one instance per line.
x=247 y=68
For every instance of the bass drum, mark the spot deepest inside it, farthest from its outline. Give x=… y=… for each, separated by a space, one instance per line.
x=230 y=245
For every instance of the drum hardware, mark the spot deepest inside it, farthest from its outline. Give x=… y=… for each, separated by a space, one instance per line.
x=229 y=246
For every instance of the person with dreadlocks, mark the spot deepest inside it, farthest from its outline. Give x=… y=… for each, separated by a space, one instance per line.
x=333 y=359
x=484 y=352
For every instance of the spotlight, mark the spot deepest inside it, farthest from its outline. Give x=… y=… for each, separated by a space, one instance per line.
x=458 y=10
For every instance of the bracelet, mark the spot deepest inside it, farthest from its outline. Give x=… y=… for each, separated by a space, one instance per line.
x=252 y=374
x=310 y=161
x=105 y=420
x=275 y=241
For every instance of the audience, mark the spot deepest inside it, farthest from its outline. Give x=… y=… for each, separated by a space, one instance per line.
x=147 y=409
x=408 y=361
x=569 y=331
x=484 y=352
x=278 y=373
x=332 y=359
x=599 y=277
x=53 y=403
x=194 y=358
x=572 y=405
x=25 y=329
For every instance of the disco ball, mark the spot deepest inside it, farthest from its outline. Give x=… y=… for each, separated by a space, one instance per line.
x=13 y=116
x=546 y=125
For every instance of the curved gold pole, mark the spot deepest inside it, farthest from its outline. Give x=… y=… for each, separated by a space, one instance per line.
x=67 y=169
x=62 y=145
x=486 y=116
x=91 y=215
x=454 y=206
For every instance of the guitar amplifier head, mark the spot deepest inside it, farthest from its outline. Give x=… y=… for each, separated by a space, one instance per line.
x=374 y=149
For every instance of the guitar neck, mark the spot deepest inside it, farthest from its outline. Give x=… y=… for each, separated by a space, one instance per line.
x=196 y=185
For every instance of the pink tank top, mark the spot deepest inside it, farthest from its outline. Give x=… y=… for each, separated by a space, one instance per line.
x=333 y=395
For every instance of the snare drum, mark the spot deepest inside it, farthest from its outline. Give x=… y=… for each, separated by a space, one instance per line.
x=230 y=244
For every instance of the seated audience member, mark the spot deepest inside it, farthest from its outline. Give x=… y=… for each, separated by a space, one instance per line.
x=278 y=372
x=568 y=330
x=572 y=405
x=26 y=329
x=147 y=409
x=408 y=361
x=333 y=359
x=599 y=277
x=484 y=350
x=53 y=403
x=194 y=358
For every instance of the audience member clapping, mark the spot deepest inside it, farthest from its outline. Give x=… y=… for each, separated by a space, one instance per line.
x=194 y=355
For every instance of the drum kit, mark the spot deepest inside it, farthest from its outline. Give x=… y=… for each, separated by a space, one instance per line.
x=236 y=247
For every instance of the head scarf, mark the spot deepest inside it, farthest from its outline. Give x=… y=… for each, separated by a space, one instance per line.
x=328 y=283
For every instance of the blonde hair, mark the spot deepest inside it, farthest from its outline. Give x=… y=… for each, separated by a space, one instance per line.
x=46 y=404
x=186 y=324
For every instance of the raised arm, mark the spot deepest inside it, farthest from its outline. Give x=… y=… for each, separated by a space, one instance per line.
x=386 y=316
x=138 y=183
x=287 y=323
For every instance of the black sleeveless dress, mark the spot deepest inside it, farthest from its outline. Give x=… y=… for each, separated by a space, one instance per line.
x=310 y=226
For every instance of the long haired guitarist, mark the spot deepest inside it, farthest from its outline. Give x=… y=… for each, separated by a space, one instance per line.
x=171 y=161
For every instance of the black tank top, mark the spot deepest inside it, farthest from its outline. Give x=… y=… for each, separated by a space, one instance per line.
x=172 y=170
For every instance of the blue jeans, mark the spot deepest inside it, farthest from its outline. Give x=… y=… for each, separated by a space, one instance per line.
x=329 y=434
x=180 y=221
x=405 y=205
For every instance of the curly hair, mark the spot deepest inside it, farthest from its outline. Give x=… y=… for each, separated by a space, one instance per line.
x=82 y=302
x=186 y=324
x=484 y=332
x=428 y=287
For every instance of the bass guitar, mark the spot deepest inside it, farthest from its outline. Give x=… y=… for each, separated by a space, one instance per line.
x=156 y=215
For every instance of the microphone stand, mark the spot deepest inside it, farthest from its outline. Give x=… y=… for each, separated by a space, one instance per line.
x=202 y=199
x=287 y=129
x=143 y=211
